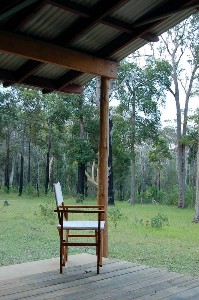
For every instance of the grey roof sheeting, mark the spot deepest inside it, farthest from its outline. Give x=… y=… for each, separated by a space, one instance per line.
x=107 y=29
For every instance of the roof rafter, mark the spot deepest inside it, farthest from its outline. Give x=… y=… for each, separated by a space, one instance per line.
x=142 y=31
x=100 y=10
x=14 y=7
x=67 y=78
x=17 y=20
x=166 y=11
x=124 y=39
x=73 y=7
x=9 y=78
x=48 y=53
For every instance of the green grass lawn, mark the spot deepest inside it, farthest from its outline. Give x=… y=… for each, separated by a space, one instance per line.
x=27 y=235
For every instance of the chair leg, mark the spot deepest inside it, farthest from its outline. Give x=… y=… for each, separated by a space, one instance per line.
x=96 y=242
x=65 y=250
x=101 y=248
x=98 y=250
x=61 y=256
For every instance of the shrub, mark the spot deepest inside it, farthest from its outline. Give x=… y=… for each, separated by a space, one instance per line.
x=190 y=196
x=29 y=189
x=158 y=221
x=47 y=209
x=115 y=215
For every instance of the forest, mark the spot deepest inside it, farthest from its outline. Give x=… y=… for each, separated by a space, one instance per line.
x=45 y=138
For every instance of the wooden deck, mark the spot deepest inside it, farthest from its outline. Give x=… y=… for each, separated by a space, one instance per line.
x=117 y=280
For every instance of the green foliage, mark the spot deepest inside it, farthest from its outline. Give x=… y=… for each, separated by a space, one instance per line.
x=159 y=152
x=190 y=196
x=159 y=220
x=29 y=189
x=79 y=198
x=47 y=210
x=115 y=214
x=139 y=221
x=162 y=196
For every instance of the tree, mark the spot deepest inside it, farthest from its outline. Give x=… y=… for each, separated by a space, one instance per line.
x=139 y=89
x=159 y=152
x=82 y=142
x=121 y=155
x=8 y=125
x=181 y=46
x=110 y=163
x=196 y=216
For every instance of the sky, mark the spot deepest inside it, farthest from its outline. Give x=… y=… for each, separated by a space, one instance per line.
x=169 y=111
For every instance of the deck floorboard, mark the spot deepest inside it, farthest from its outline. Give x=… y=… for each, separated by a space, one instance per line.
x=117 y=280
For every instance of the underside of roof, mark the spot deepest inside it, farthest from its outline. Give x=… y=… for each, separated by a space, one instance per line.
x=61 y=45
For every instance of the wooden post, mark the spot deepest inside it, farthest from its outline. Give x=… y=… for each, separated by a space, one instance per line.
x=103 y=156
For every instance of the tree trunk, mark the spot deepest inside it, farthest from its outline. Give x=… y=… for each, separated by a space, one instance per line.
x=110 y=165
x=28 y=176
x=121 y=192
x=81 y=182
x=7 y=164
x=181 y=175
x=12 y=172
x=81 y=164
x=159 y=180
x=85 y=183
x=17 y=171
x=48 y=158
x=51 y=167
x=21 y=175
x=38 y=171
x=132 y=199
x=196 y=217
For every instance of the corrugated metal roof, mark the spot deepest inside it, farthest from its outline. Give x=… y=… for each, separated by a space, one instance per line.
x=169 y=23
x=158 y=30
x=48 y=22
x=109 y=30
x=11 y=62
x=133 y=10
x=50 y=71
x=95 y=38
x=83 y=79
x=87 y=3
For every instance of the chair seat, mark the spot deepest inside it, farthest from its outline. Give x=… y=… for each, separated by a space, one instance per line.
x=82 y=225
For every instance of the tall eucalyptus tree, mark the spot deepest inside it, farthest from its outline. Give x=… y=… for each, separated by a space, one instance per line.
x=180 y=47
x=139 y=90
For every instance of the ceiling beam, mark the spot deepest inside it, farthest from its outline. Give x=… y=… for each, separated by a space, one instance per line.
x=48 y=53
x=49 y=85
x=67 y=78
x=9 y=78
x=27 y=69
x=73 y=7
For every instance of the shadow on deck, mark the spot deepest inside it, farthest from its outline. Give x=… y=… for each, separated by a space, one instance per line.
x=117 y=280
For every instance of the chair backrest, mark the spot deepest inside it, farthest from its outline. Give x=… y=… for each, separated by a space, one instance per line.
x=58 y=194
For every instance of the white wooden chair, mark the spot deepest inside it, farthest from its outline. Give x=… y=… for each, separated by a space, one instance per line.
x=95 y=227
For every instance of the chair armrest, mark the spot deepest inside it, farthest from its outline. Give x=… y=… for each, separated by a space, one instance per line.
x=84 y=211
x=64 y=209
x=81 y=206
